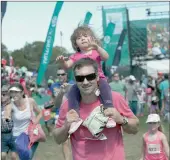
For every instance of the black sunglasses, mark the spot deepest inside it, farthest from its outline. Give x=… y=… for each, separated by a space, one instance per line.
x=89 y=77
x=63 y=74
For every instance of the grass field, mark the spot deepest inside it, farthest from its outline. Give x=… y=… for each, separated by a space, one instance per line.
x=51 y=151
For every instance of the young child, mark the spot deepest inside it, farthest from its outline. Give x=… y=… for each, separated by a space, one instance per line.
x=86 y=45
x=154 y=105
x=141 y=101
x=155 y=144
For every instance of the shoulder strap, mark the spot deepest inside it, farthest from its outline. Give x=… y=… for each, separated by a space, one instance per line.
x=28 y=103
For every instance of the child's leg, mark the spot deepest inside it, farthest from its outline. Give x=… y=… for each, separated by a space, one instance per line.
x=74 y=98
x=142 y=109
x=139 y=108
x=106 y=93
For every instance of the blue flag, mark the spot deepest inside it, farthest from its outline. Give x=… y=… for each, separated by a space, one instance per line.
x=48 y=46
x=3 y=9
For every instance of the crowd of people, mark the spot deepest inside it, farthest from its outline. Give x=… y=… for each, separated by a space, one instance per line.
x=91 y=112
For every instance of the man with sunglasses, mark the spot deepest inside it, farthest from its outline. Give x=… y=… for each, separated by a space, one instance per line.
x=58 y=90
x=7 y=140
x=84 y=145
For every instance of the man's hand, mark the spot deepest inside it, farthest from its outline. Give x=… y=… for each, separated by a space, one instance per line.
x=72 y=116
x=64 y=88
x=113 y=113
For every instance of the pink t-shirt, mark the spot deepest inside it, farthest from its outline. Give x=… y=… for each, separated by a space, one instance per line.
x=95 y=56
x=83 y=148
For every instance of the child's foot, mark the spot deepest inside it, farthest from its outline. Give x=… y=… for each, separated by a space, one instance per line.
x=75 y=125
x=111 y=123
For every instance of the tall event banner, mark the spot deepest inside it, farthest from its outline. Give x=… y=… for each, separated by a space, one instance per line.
x=3 y=9
x=48 y=46
x=116 y=40
x=87 y=18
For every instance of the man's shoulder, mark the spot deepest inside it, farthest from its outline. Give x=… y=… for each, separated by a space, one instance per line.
x=117 y=97
x=116 y=94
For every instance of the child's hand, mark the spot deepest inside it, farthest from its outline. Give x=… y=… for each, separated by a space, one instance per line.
x=60 y=59
x=92 y=44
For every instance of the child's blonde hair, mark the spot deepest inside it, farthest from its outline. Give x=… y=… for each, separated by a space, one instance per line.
x=82 y=30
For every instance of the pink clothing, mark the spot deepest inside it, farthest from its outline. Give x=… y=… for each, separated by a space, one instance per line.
x=84 y=148
x=95 y=56
x=154 y=149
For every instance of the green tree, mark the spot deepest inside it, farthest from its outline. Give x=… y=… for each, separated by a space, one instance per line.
x=30 y=55
x=4 y=52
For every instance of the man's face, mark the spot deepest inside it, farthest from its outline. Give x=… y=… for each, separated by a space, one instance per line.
x=116 y=77
x=62 y=76
x=86 y=80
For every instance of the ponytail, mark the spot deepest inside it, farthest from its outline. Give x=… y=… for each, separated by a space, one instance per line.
x=161 y=129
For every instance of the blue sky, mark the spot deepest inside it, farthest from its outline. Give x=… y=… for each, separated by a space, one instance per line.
x=29 y=21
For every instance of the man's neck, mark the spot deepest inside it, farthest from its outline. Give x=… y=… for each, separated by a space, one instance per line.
x=89 y=99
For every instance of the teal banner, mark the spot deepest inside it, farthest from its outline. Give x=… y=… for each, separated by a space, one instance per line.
x=87 y=18
x=115 y=36
x=48 y=46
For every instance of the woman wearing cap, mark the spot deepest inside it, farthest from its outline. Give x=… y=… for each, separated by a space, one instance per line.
x=155 y=144
x=20 y=110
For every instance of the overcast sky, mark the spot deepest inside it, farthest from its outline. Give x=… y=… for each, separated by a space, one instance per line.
x=29 y=21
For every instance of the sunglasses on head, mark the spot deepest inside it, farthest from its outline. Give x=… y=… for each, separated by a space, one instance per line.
x=62 y=74
x=89 y=77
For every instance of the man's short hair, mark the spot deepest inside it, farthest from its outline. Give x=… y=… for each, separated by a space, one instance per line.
x=86 y=62
x=115 y=74
x=62 y=68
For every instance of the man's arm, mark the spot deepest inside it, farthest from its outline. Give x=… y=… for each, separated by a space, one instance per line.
x=59 y=96
x=61 y=134
x=121 y=111
x=58 y=99
x=133 y=125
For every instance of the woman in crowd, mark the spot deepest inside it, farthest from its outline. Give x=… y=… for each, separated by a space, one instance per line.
x=20 y=110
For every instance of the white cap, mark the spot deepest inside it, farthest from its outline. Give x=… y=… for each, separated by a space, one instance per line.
x=15 y=89
x=153 y=118
x=132 y=78
x=32 y=89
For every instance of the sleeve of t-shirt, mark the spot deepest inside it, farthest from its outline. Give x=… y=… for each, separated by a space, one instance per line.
x=62 y=114
x=73 y=57
x=121 y=105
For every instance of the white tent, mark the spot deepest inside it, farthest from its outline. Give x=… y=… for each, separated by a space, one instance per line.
x=155 y=66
